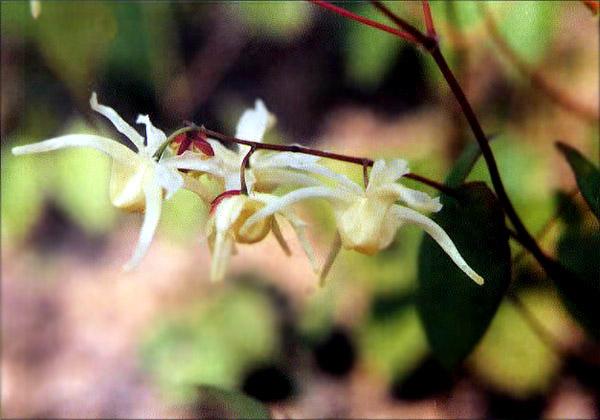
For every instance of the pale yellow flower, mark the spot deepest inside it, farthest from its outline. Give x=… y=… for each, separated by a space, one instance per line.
x=367 y=219
x=139 y=180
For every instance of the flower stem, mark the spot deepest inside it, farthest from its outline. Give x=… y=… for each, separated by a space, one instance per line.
x=244 y=166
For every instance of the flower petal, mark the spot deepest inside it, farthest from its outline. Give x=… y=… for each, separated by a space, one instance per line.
x=191 y=161
x=169 y=179
x=118 y=122
x=222 y=250
x=110 y=147
x=300 y=229
x=439 y=235
x=291 y=198
x=253 y=123
x=155 y=137
x=153 y=195
x=279 y=236
x=283 y=160
x=333 y=253
x=417 y=200
x=272 y=178
x=387 y=172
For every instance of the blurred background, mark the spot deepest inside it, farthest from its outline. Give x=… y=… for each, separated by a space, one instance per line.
x=80 y=338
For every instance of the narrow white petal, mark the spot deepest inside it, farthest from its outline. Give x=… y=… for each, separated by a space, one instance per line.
x=153 y=195
x=333 y=253
x=343 y=180
x=387 y=172
x=440 y=236
x=110 y=147
x=229 y=159
x=169 y=179
x=222 y=250
x=417 y=200
x=280 y=239
x=154 y=136
x=291 y=198
x=284 y=160
x=300 y=228
x=270 y=178
x=191 y=161
x=253 y=123
x=118 y=122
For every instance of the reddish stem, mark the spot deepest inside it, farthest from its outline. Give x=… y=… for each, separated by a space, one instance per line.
x=366 y=21
x=294 y=148
x=429 y=20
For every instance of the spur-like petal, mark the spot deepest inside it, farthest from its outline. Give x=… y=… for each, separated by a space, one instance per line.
x=153 y=206
x=110 y=147
x=155 y=137
x=118 y=122
x=253 y=123
x=417 y=200
x=439 y=235
x=169 y=179
x=387 y=172
x=293 y=197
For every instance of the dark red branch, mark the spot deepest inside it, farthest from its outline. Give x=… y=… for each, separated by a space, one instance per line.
x=366 y=21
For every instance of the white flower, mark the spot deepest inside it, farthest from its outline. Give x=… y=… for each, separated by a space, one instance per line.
x=230 y=211
x=367 y=219
x=139 y=180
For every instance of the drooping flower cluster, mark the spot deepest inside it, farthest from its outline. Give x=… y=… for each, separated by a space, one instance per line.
x=245 y=207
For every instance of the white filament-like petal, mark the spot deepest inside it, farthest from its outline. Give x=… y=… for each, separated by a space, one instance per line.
x=342 y=180
x=191 y=161
x=153 y=194
x=333 y=253
x=118 y=122
x=169 y=179
x=300 y=229
x=110 y=147
x=223 y=247
x=283 y=160
x=154 y=136
x=387 y=172
x=440 y=236
x=253 y=123
x=279 y=236
x=228 y=157
x=415 y=199
x=275 y=177
x=293 y=197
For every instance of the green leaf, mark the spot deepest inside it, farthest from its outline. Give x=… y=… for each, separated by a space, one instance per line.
x=586 y=174
x=580 y=289
x=463 y=165
x=455 y=311
x=214 y=402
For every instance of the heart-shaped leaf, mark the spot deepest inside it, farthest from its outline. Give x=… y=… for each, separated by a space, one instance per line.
x=215 y=402
x=455 y=311
x=586 y=174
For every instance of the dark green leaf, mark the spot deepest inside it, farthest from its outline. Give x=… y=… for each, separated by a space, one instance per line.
x=580 y=287
x=586 y=175
x=455 y=311
x=463 y=165
x=214 y=402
